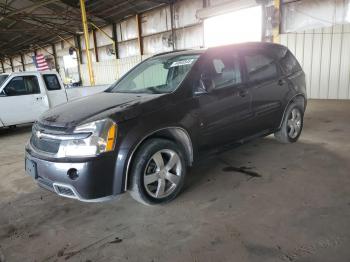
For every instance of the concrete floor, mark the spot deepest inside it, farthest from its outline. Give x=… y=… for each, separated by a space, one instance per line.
x=298 y=210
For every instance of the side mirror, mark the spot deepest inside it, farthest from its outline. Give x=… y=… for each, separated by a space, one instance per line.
x=10 y=91
x=206 y=84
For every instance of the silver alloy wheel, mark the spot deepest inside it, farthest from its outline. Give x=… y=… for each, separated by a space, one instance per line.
x=294 y=123
x=162 y=173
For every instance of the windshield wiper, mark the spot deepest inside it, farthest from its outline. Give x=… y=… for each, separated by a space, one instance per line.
x=154 y=90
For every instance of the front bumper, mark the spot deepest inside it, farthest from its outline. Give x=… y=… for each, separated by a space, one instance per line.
x=95 y=181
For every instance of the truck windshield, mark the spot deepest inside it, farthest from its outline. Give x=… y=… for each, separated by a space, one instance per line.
x=2 y=79
x=157 y=75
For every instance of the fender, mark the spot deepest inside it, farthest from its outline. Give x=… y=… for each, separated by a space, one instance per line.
x=179 y=133
x=292 y=99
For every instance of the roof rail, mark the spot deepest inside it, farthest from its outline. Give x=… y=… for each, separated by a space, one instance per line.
x=170 y=52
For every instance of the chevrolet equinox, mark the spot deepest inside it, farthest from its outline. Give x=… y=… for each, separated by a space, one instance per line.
x=145 y=130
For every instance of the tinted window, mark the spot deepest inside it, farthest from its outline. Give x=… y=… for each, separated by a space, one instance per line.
x=260 y=67
x=52 y=82
x=289 y=64
x=224 y=71
x=22 y=85
x=3 y=78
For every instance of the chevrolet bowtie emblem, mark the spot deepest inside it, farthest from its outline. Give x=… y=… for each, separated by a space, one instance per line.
x=38 y=134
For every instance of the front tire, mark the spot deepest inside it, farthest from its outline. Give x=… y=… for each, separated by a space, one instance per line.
x=158 y=172
x=292 y=124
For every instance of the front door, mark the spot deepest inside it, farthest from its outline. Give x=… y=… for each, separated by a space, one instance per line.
x=22 y=101
x=225 y=110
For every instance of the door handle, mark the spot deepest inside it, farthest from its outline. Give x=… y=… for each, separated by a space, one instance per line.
x=281 y=82
x=242 y=93
x=39 y=98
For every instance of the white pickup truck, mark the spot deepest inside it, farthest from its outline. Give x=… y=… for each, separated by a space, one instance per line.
x=24 y=96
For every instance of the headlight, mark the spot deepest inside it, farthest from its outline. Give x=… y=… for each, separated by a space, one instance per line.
x=101 y=139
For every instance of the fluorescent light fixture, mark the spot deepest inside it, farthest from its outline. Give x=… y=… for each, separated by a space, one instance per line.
x=235 y=27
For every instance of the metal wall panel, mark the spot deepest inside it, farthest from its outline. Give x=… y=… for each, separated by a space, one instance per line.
x=102 y=39
x=190 y=37
x=325 y=57
x=157 y=43
x=155 y=21
x=186 y=12
x=127 y=29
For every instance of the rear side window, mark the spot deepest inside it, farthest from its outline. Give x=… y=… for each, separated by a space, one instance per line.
x=52 y=82
x=260 y=67
x=289 y=64
x=22 y=85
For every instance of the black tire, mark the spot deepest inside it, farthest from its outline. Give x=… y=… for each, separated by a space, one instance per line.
x=283 y=135
x=143 y=159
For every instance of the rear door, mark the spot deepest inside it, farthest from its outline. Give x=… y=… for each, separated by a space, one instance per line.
x=22 y=101
x=55 y=90
x=267 y=87
x=226 y=109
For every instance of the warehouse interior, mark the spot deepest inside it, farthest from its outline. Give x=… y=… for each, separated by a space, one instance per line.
x=260 y=201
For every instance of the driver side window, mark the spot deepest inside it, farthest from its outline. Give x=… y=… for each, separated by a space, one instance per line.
x=22 y=85
x=224 y=71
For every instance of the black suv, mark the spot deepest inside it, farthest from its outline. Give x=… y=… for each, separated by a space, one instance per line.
x=142 y=133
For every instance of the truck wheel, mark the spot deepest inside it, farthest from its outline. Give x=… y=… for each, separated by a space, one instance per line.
x=292 y=124
x=158 y=172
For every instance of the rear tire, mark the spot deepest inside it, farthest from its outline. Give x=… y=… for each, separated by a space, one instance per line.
x=292 y=124
x=158 y=172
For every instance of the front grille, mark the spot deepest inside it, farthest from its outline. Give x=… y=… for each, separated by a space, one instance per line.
x=45 y=145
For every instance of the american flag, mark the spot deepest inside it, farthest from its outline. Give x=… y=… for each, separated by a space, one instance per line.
x=40 y=63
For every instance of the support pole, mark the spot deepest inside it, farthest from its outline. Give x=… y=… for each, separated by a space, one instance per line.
x=115 y=40
x=173 y=34
x=139 y=33
x=55 y=57
x=22 y=62
x=2 y=66
x=11 y=62
x=277 y=18
x=87 y=44
x=95 y=45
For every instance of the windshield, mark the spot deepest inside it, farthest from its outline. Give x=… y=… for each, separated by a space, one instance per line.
x=3 y=78
x=157 y=75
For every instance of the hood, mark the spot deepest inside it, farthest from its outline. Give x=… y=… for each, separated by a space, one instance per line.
x=120 y=106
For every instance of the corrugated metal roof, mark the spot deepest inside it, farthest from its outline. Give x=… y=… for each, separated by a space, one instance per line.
x=24 y=24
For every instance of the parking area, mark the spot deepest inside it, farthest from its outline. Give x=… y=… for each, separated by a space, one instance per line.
x=263 y=201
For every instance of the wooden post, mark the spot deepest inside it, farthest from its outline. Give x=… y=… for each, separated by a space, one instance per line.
x=55 y=57
x=95 y=45
x=115 y=38
x=173 y=36
x=11 y=62
x=22 y=61
x=139 y=33
x=2 y=66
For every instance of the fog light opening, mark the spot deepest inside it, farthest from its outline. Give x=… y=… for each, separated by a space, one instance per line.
x=72 y=173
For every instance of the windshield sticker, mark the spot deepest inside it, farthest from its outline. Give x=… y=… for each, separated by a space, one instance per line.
x=182 y=63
